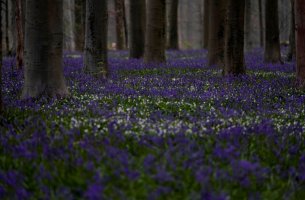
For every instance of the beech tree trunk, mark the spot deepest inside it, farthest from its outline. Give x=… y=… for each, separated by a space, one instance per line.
x=216 y=32
x=137 y=10
x=248 y=28
x=206 y=23
x=7 y=41
x=69 y=25
x=291 y=49
x=234 y=38
x=43 y=49
x=155 y=32
x=300 y=41
x=261 y=26
x=80 y=15
x=1 y=100
x=119 y=20
x=95 y=60
x=20 y=34
x=173 y=25
x=272 y=45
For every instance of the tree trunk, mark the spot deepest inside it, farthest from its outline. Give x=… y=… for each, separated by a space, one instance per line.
x=291 y=50
x=206 y=24
x=43 y=49
x=248 y=36
x=20 y=34
x=261 y=27
x=69 y=25
x=80 y=15
x=95 y=61
x=272 y=45
x=12 y=28
x=173 y=25
x=234 y=38
x=216 y=32
x=137 y=28
x=300 y=41
x=7 y=41
x=155 y=32
x=119 y=20
x=1 y=100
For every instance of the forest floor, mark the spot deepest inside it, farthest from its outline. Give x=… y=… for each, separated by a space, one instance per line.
x=172 y=131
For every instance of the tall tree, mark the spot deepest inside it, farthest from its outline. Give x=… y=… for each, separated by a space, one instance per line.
x=206 y=23
x=80 y=15
x=7 y=41
x=155 y=31
x=261 y=28
x=173 y=25
x=137 y=11
x=300 y=41
x=69 y=24
x=234 y=38
x=216 y=32
x=95 y=61
x=291 y=49
x=248 y=28
x=272 y=43
x=1 y=101
x=43 y=43
x=20 y=33
x=119 y=19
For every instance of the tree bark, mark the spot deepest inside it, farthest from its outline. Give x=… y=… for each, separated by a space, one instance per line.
x=261 y=26
x=272 y=45
x=119 y=20
x=206 y=24
x=12 y=28
x=1 y=100
x=248 y=36
x=155 y=32
x=95 y=60
x=7 y=41
x=291 y=50
x=300 y=41
x=173 y=25
x=69 y=25
x=43 y=49
x=80 y=15
x=137 y=11
x=234 y=38
x=216 y=32
x=20 y=34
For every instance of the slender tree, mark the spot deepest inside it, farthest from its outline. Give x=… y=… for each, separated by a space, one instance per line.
x=248 y=28
x=137 y=11
x=291 y=49
x=1 y=101
x=20 y=33
x=95 y=61
x=80 y=15
x=206 y=23
x=234 y=38
x=261 y=28
x=69 y=24
x=272 y=45
x=7 y=41
x=173 y=25
x=155 y=31
x=216 y=32
x=300 y=41
x=43 y=44
x=119 y=20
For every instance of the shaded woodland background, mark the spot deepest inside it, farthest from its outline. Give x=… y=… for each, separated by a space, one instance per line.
x=190 y=24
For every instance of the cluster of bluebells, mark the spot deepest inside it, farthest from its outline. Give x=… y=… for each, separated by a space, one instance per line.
x=169 y=131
